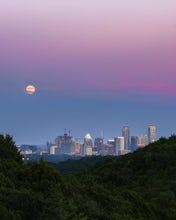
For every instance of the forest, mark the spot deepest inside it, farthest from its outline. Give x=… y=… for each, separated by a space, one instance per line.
x=137 y=186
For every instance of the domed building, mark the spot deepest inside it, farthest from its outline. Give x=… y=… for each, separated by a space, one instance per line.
x=88 y=140
x=88 y=144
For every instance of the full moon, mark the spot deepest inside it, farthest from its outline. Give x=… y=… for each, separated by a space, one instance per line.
x=30 y=89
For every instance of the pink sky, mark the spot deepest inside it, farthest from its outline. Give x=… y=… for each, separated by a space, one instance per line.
x=108 y=45
x=96 y=65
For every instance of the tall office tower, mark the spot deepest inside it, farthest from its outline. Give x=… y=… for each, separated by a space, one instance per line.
x=88 y=140
x=126 y=135
x=98 y=146
x=98 y=142
x=64 y=143
x=151 y=133
x=134 y=143
x=87 y=144
x=119 y=145
x=142 y=141
x=76 y=148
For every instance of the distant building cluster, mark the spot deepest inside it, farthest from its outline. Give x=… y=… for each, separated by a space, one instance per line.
x=120 y=145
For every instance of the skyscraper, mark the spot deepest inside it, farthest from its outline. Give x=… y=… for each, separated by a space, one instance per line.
x=134 y=143
x=151 y=133
x=142 y=140
x=64 y=143
x=98 y=142
x=87 y=148
x=126 y=135
x=119 y=145
x=88 y=140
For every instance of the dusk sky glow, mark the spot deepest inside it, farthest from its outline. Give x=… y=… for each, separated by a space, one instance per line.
x=96 y=64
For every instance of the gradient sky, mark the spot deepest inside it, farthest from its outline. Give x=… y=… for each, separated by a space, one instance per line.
x=96 y=64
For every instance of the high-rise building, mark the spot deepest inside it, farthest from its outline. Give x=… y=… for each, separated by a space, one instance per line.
x=88 y=140
x=107 y=149
x=142 y=141
x=98 y=142
x=134 y=143
x=87 y=145
x=64 y=143
x=98 y=146
x=111 y=141
x=151 y=133
x=76 y=148
x=126 y=135
x=89 y=151
x=119 y=145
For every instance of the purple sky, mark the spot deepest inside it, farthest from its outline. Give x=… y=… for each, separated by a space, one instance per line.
x=96 y=65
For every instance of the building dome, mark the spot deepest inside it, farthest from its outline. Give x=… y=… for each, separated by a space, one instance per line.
x=88 y=136
x=88 y=140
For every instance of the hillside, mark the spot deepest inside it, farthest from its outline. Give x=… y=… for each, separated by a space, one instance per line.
x=140 y=185
x=137 y=186
x=71 y=166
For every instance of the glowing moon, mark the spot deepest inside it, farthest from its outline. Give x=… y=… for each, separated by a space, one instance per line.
x=30 y=89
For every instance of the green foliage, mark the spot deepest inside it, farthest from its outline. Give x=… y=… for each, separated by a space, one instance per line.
x=137 y=186
x=75 y=166
x=8 y=150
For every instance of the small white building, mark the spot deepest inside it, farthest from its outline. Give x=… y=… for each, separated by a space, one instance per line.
x=52 y=149
x=26 y=152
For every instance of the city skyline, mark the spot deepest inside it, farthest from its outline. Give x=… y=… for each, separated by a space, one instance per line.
x=96 y=65
x=65 y=145
x=150 y=133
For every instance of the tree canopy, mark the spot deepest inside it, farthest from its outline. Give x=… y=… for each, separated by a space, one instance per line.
x=136 y=186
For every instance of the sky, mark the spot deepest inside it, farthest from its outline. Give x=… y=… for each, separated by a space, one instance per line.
x=97 y=65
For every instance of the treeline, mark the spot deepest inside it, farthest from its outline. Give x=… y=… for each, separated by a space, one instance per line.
x=73 y=166
x=137 y=186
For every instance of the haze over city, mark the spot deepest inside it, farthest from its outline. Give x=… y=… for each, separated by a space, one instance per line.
x=96 y=66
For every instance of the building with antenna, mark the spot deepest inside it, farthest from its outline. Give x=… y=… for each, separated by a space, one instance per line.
x=64 y=143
